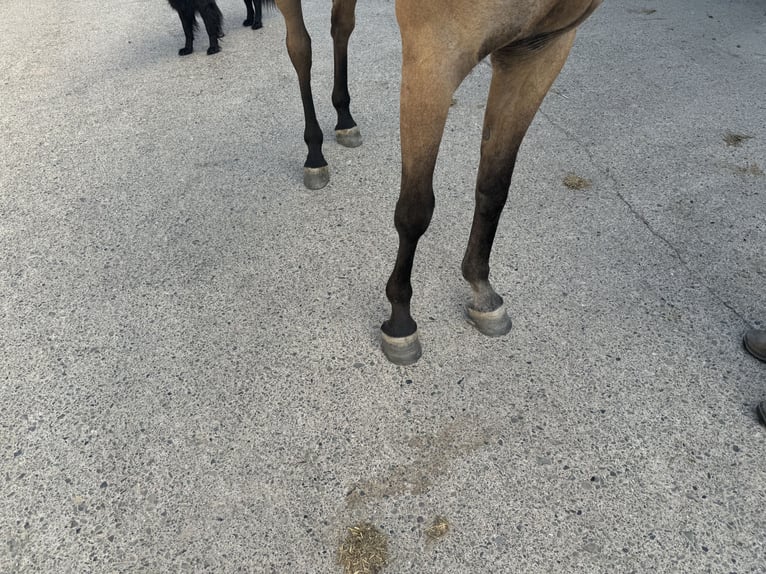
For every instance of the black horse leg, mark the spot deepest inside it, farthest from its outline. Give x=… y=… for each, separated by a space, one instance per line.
x=254 y=14
x=315 y=172
x=213 y=19
x=188 y=22
x=250 y=18
x=343 y=21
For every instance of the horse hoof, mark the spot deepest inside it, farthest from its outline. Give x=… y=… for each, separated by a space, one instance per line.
x=248 y=22
x=185 y=51
x=351 y=137
x=491 y=323
x=316 y=177
x=257 y=25
x=401 y=350
x=213 y=50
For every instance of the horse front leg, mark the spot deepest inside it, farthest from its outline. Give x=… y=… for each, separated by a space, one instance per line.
x=343 y=21
x=426 y=95
x=315 y=171
x=520 y=80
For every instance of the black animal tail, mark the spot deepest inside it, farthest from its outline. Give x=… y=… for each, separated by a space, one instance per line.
x=268 y=4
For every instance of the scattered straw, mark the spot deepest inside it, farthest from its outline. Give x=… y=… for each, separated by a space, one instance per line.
x=735 y=140
x=573 y=181
x=438 y=529
x=364 y=551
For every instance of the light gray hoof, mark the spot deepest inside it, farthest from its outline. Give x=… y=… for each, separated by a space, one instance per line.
x=351 y=137
x=402 y=350
x=491 y=323
x=316 y=177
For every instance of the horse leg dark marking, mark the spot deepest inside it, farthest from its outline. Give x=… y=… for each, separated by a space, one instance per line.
x=422 y=121
x=343 y=22
x=315 y=172
x=188 y=21
x=213 y=19
x=520 y=80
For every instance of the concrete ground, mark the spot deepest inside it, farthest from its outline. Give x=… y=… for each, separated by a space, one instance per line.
x=190 y=374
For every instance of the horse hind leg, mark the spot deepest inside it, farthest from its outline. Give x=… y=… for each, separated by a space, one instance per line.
x=343 y=22
x=315 y=171
x=521 y=77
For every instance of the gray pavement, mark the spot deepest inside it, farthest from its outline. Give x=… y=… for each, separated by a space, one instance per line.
x=190 y=374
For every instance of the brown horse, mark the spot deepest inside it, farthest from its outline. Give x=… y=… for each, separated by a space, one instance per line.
x=528 y=42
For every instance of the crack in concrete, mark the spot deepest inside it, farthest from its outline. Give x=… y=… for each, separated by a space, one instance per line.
x=610 y=176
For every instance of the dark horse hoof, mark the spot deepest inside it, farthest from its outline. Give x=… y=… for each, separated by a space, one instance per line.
x=491 y=323
x=248 y=22
x=185 y=51
x=401 y=350
x=351 y=137
x=257 y=25
x=316 y=177
x=213 y=50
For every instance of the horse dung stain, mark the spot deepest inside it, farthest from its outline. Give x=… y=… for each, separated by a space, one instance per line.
x=749 y=169
x=364 y=550
x=438 y=529
x=734 y=139
x=576 y=182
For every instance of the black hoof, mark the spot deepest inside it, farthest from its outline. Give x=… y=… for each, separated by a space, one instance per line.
x=185 y=51
x=351 y=137
x=257 y=25
x=491 y=323
x=401 y=350
x=213 y=50
x=248 y=22
x=316 y=177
